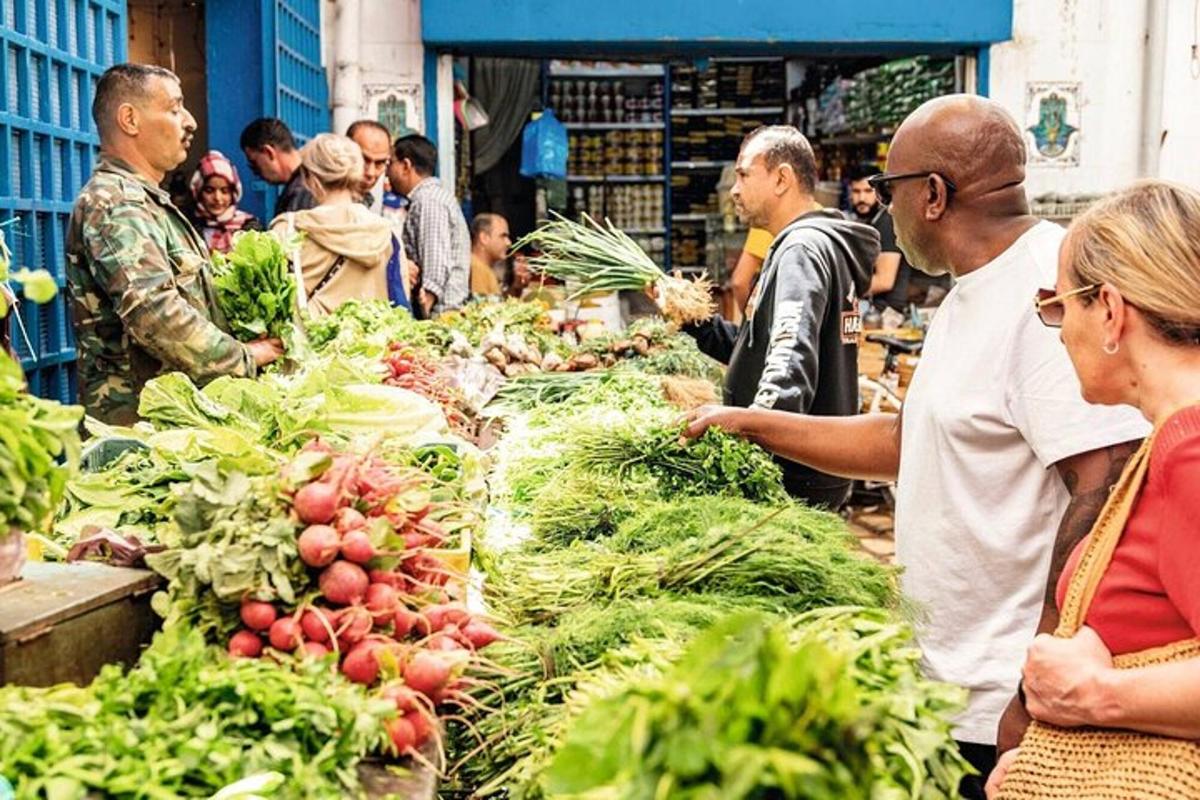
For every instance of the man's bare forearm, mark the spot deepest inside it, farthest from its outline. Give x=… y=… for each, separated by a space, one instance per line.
x=1088 y=477
x=865 y=447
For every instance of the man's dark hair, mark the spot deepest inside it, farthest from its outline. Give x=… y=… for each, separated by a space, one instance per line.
x=123 y=83
x=419 y=151
x=860 y=172
x=370 y=124
x=785 y=144
x=267 y=131
x=482 y=223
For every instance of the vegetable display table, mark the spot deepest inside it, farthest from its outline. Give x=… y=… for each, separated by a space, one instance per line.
x=379 y=782
x=62 y=622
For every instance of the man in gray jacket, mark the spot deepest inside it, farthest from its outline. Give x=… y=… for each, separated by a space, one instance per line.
x=797 y=349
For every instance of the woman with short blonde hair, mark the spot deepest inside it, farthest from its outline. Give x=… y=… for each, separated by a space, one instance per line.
x=331 y=164
x=347 y=252
x=1124 y=660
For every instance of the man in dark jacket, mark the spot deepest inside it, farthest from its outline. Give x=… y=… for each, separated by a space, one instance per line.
x=271 y=150
x=797 y=349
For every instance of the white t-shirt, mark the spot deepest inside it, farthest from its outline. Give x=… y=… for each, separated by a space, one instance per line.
x=994 y=403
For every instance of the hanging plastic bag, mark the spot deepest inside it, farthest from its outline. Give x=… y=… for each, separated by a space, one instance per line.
x=544 y=148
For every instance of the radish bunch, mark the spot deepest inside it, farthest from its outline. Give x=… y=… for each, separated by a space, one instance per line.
x=381 y=607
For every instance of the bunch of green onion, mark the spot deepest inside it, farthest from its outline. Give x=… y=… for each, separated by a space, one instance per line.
x=600 y=258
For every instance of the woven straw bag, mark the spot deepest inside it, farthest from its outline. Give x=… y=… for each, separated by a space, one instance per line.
x=1098 y=763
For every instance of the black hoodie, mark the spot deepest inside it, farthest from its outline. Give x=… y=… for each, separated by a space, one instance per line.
x=797 y=349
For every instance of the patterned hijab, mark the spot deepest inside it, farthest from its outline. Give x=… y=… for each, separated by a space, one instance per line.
x=218 y=230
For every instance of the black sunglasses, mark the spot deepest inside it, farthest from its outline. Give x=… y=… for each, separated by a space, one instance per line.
x=881 y=183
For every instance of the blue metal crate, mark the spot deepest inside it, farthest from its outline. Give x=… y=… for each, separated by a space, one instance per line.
x=51 y=54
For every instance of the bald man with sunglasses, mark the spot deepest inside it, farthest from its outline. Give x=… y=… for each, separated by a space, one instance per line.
x=1001 y=467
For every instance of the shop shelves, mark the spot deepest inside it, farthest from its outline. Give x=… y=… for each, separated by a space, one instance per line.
x=615 y=178
x=613 y=126
x=619 y=71
x=765 y=111
x=701 y=164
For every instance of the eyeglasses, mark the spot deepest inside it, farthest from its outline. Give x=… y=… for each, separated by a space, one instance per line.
x=1049 y=306
x=881 y=183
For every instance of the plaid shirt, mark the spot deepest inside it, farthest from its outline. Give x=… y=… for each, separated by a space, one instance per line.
x=437 y=239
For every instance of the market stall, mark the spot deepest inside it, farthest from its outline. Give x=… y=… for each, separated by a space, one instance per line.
x=356 y=599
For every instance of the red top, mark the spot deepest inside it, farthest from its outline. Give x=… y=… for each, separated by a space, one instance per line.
x=1150 y=595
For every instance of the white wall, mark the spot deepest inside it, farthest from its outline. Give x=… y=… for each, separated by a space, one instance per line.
x=1102 y=45
x=1180 y=154
x=387 y=53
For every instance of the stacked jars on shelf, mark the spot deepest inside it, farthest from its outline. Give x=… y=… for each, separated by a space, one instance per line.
x=606 y=101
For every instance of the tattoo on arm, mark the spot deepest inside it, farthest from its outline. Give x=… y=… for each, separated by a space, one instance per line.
x=1089 y=478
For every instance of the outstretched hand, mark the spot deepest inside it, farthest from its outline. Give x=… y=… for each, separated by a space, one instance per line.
x=265 y=351
x=700 y=419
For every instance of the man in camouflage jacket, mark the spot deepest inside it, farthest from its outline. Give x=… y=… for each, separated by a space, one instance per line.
x=139 y=276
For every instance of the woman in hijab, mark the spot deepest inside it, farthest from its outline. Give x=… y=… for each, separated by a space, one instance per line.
x=217 y=190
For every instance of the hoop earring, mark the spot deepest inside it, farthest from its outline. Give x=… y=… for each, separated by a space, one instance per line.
x=1111 y=349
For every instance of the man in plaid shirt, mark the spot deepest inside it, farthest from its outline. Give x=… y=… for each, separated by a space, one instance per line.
x=435 y=233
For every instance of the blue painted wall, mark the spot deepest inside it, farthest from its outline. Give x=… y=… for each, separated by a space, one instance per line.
x=634 y=26
x=51 y=55
x=270 y=69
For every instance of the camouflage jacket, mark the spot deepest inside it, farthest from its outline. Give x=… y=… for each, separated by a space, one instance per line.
x=141 y=293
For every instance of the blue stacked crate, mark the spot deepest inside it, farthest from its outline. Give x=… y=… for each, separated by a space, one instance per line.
x=52 y=52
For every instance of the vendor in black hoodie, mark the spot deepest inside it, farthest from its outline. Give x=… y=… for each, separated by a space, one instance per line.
x=797 y=349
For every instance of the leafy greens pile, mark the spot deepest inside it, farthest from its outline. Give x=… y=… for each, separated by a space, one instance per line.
x=830 y=705
x=186 y=722
x=34 y=435
x=256 y=290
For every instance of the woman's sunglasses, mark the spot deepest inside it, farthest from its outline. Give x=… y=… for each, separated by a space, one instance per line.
x=1049 y=306
x=882 y=183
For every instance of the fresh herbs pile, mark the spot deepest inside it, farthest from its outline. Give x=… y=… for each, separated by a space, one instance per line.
x=829 y=706
x=766 y=566
x=188 y=721
x=256 y=290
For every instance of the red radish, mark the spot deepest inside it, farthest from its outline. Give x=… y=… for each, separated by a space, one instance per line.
x=381 y=602
x=446 y=641
x=427 y=672
x=401 y=732
x=354 y=624
x=441 y=615
x=420 y=724
x=318 y=545
x=315 y=650
x=415 y=539
x=404 y=697
x=343 y=583
x=316 y=502
x=245 y=644
x=357 y=547
x=349 y=519
x=395 y=580
x=405 y=620
x=361 y=664
x=316 y=623
x=285 y=634
x=257 y=615
x=479 y=633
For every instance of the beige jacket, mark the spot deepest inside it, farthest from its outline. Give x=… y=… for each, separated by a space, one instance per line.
x=348 y=231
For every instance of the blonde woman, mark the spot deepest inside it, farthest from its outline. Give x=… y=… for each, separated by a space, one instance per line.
x=1128 y=302
x=346 y=252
